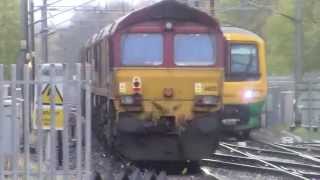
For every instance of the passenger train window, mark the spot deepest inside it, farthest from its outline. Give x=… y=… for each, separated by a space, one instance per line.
x=142 y=49
x=244 y=58
x=194 y=50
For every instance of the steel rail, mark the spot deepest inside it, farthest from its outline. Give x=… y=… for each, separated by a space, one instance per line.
x=257 y=169
x=288 y=155
x=305 y=156
x=206 y=171
x=293 y=174
x=304 y=149
x=305 y=169
x=242 y=166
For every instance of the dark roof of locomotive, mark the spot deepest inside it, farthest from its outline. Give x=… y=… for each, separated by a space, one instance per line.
x=166 y=9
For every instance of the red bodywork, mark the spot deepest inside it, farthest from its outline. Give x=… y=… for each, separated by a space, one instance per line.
x=152 y=19
x=178 y=28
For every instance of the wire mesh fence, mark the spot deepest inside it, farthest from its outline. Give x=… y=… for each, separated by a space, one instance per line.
x=45 y=123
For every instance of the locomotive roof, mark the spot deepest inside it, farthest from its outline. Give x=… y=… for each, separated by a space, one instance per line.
x=232 y=29
x=166 y=9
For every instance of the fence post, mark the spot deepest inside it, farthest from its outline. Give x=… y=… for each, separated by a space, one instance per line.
x=15 y=129
x=66 y=109
x=53 y=133
x=26 y=121
x=78 y=123
x=88 y=122
x=2 y=117
x=38 y=121
x=309 y=106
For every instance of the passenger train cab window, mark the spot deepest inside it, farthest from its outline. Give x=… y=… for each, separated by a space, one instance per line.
x=194 y=50
x=243 y=62
x=142 y=49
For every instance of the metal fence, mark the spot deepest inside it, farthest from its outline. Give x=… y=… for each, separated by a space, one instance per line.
x=309 y=104
x=281 y=103
x=280 y=107
x=45 y=123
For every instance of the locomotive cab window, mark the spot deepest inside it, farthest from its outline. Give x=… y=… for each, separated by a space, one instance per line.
x=194 y=50
x=244 y=60
x=141 y=49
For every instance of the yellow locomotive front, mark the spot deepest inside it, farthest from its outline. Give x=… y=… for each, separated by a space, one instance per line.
x=166 y=84
x=165 y=107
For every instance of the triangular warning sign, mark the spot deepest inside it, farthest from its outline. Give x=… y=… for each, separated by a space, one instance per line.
x=46 y=96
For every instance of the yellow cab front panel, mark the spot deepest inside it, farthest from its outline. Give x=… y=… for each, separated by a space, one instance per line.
x=167 y=113
x=245 y=86
x=234 y=89
x=181 y=85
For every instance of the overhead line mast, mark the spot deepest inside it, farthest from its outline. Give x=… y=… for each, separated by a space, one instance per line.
x=44 y=30
x=24 y=38
x=298 y=55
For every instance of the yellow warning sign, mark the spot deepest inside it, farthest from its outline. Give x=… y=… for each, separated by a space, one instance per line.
x=46 y=118
x=47 y=114
x=46 y=96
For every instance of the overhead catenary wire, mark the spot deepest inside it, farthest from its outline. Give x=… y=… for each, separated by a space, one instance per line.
x=64 y=11
x=49 y=4
x=56 y=25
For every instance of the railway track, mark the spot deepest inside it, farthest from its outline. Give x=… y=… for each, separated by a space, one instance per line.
x=259 y=160
x=313 y=150
x=249 y=160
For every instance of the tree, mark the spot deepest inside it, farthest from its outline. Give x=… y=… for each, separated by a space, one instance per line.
x=9 y=31
x=279 y=30
x=274 y=21
x=312 y=41
x=66 y=44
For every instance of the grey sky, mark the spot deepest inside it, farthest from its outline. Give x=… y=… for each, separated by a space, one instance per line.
x=62 y=19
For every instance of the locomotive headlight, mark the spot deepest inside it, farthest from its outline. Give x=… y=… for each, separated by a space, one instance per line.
x=206 y=100
x=129 y=100
x=249 y=94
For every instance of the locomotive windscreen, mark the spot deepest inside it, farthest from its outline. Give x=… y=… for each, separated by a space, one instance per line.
x=244 y=58
x=142 y=49
x=194 y=50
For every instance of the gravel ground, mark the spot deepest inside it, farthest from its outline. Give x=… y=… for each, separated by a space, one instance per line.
x=111 y=168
